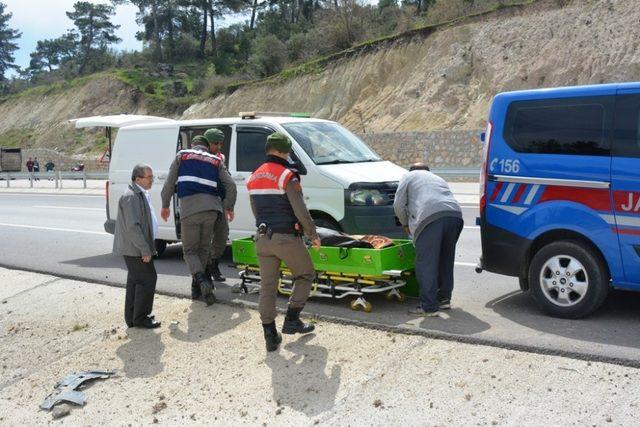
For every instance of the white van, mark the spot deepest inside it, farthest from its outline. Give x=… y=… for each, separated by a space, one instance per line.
x=346 y=185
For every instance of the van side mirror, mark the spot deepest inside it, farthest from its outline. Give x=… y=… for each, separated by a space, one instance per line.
x=482 y=136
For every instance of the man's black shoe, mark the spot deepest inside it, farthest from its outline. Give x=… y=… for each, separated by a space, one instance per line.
x=271 y=336
x=215 y=272
x=206 y=287
x=195 y=290
x=293 y=324
x=149 y=323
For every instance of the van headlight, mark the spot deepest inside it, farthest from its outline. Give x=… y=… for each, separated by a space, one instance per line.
x=367 y=197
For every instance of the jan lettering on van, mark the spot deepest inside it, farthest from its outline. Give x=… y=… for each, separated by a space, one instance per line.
x=627 y=201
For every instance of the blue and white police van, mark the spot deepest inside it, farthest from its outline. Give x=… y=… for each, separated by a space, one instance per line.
x=560 y=193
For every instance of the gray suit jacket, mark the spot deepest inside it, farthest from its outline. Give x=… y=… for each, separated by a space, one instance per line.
x=133 y=235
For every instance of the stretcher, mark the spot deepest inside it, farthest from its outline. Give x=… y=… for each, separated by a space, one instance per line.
x=339 y=272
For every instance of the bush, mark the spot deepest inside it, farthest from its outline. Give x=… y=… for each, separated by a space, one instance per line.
x=268 y=58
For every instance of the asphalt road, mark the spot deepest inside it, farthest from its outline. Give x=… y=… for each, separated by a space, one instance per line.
x=63 y=235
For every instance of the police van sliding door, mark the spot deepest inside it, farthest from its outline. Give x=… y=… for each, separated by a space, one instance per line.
x=247 y=154
x=625 y=182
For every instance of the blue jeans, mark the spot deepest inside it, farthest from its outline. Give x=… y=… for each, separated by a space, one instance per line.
x=435 y=255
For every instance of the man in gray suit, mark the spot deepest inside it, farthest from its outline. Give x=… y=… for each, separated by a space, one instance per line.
x=136 y=228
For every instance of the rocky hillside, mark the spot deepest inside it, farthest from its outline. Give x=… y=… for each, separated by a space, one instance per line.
x=446 y=79
x=39 y=117
x=441 y=78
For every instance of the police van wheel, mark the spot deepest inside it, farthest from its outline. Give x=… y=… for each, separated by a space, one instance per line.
x=160 y=245
x=568 y=279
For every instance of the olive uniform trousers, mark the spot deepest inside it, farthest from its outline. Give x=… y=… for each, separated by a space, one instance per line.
x=196 y=231
x=290 y=249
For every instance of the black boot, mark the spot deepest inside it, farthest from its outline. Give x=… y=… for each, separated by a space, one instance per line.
x=293 y=324
x=215 y=272
x=195 y=289
x=206 y=287
x=271 y=336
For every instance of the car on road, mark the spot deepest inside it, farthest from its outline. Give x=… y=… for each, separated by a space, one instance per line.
x=560 y=193
x=347 y=187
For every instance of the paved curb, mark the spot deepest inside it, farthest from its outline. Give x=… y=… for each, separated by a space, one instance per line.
x=632 y=363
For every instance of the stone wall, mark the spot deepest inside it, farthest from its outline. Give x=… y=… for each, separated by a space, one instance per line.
x=438 y=149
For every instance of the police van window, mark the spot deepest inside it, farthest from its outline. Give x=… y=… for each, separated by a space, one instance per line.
x=250 y=150
x=626 y=142
x=578 y=126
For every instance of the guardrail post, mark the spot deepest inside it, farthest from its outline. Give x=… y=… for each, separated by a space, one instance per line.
x=57 y=178
x=8 y=180
x=61 y=180
x=30 y=179
x=84 y=179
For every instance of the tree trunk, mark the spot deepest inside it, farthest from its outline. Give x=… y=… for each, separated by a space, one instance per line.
x=253 y=14
x=214 y=44
x=157 y=51
x=418 y=7
x=171 y=31
x=203 y=32
x=87 y=46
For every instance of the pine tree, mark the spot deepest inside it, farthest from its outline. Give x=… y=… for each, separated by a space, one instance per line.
x=95 y=29
x=7 y=44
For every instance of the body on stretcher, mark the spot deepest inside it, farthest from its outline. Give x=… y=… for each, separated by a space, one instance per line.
x=340 y=272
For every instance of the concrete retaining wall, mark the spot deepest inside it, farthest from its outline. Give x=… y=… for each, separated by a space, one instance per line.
x=438 y=149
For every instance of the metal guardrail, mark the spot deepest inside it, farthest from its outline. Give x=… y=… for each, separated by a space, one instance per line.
x=57 y=176
x=60 y=176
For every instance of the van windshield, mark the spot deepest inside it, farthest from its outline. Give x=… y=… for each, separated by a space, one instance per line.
x=330 y=143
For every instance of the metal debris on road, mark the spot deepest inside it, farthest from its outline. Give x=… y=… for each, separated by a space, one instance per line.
x=65 y=390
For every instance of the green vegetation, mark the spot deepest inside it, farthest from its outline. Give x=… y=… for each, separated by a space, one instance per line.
x=17 y=138
x=188 y=58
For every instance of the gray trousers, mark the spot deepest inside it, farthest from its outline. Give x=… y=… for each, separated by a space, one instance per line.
x=290 y=249
x=435 y=256
x=220 y=236
x=197 y=231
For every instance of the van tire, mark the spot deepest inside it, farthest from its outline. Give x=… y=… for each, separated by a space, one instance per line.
x=160 y=245
x=577 y=263
x=322 y=221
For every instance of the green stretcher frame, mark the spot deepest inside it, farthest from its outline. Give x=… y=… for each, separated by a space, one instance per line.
x=344 y=271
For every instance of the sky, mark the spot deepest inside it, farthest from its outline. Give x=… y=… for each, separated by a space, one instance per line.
x=46 y=19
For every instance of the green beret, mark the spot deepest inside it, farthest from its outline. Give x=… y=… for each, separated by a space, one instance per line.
x=278 y=141
x=199 y=140
x=214 y=135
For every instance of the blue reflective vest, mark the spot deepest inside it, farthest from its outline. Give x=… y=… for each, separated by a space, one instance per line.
x=199 y=172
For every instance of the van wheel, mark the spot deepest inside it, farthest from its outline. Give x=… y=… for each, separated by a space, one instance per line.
x=160 y=245
x=325 y=222
x=568 y=279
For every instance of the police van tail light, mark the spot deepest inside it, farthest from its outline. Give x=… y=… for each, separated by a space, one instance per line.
x=483 y=170
x=106 y=191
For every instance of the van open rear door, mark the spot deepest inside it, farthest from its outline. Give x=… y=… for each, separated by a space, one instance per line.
x=115 y=121
x=109 y=123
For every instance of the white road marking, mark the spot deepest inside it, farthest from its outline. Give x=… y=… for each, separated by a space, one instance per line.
x=48 y=195
x=68 y=207
x=69 y=230
x=471 y=227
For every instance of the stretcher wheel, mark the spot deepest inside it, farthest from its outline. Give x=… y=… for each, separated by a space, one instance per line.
x=356 y=304
x=395 y=294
